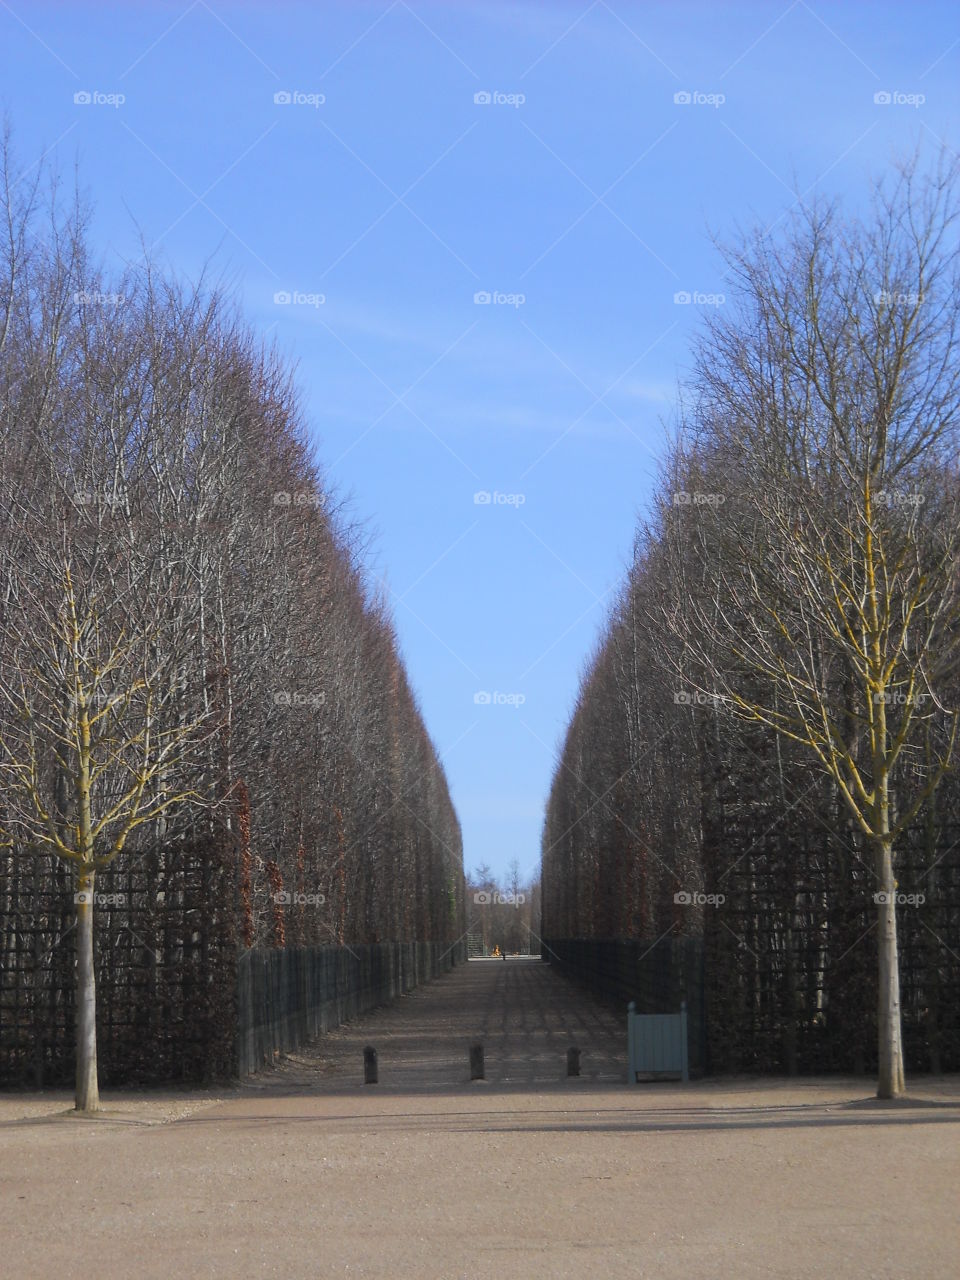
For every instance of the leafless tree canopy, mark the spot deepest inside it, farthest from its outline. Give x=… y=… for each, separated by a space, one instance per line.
x=189 y=650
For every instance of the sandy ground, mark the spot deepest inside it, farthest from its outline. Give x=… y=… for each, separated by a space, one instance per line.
x=306 y=1172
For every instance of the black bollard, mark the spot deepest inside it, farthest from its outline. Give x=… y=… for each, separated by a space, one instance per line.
x=573 y=1061
x=370 y=1072
x=476 y=1062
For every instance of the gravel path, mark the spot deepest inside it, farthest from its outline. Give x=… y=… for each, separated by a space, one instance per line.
x=525 y=1015
x=304 y=1172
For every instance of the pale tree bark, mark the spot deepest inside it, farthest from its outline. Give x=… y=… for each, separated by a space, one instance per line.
x=87 y=1084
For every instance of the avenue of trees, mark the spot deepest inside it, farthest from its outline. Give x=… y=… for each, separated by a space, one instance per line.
x=189 y=647
x=787 y=642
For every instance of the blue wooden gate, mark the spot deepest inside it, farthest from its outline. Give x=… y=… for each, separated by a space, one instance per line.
x=656 y=1044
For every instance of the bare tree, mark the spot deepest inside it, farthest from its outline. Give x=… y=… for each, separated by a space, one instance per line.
x=84 y=681
x=820 y=476
x=189 y=648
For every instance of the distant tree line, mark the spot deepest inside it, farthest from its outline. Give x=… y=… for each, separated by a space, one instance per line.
x=190 y=650
x=763 y=744
x=503 y=914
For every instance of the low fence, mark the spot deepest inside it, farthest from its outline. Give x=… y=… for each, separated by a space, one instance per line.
x=178 y=1000
x=285 y=997
x=747 y=1014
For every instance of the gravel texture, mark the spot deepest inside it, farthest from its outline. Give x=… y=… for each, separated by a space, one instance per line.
x=305 y=1172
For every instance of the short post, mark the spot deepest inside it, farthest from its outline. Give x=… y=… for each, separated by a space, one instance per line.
x=573 y=1061
x=476 y=1062
x=631 y=1043
x=370 y=1072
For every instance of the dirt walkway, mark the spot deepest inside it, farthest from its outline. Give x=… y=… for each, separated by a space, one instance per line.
x=304 y=1172
x=523 y=1012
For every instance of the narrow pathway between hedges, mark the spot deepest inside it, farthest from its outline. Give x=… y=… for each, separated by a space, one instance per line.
x=524 y=1013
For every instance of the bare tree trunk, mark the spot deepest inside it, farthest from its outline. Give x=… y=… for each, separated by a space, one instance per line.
x=889 y=1043
x=88 y=1091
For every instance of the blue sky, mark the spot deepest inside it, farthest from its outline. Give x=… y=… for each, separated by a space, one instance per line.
x=581 y=187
